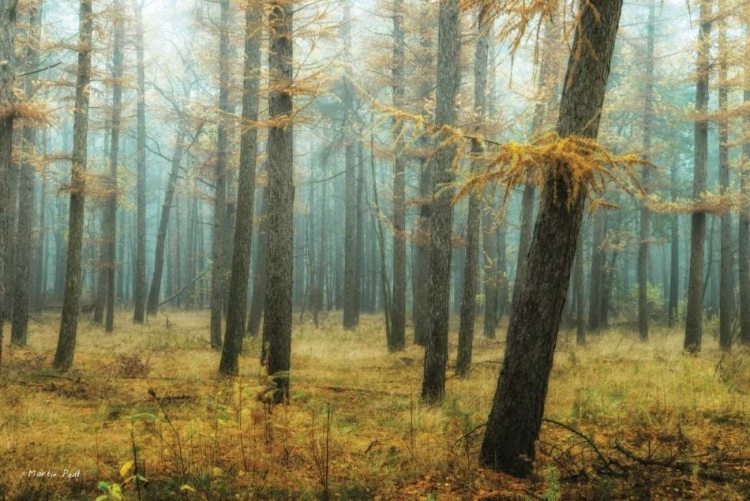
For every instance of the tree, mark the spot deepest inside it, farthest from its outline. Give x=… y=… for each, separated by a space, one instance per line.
x=468 y=302
x=516 y=416
x=139 y=294
x=7 y=74
x=66 y=343
x=397 y=340
x=744 y=229
x=277 y=327
x=694 y=321
x=26 y=187
x=645 y=229
x=257 y=303
x=441 y=217
x=245 y=194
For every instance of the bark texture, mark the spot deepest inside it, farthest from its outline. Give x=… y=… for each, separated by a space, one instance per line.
x=516 y=416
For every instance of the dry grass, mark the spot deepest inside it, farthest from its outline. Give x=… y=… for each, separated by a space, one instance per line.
x=213 y=434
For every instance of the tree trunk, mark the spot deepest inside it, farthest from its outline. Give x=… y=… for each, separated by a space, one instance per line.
x=468 y=302
x=580 y=293
x=441 y=223
x=139 y=290
x=19 y=330
x=694 y=321
x=421 y=309
x=726 y=315
x=596 y=274
x=397 y=341
x=257 y=303
x=7 y=74
x=243 y=233
x=277 y=327
x=489 y=249
x=66 y=343
x=744 y=229
x=645 y=229
x=516 y=417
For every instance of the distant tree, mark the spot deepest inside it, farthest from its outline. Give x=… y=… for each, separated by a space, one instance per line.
x=694 y=312
x=66 y=343
x=468 y=302
x=277 y=326
x=744 y=229
x=441 y=217
x=257 y=303
x=245 y=195
x=516 y=416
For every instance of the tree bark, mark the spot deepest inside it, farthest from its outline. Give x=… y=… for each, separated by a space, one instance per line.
x=257 y=302
x=7 y=74
x=468 y=302
x=139 y=290
x=277 y=327
x=397 y=340
x=441 y=221
x=243 y=232
x=694 y=321
x=66 y=343
x=744 y=225
x=516 y=416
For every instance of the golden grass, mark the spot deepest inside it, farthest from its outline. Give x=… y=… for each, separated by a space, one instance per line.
x=214 y=435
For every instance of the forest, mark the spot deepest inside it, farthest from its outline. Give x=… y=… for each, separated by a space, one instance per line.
x=374 y=249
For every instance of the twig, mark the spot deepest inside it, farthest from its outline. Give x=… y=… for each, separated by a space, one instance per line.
x=682 y=466
x=607 y=462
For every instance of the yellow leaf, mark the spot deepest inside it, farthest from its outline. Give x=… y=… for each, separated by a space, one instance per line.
x=188 y=488
x=125 y=468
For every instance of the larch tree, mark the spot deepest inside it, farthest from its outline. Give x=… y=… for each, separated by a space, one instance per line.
x=441 y=217
x=139 y=292
x=468 y=301
x=243 y=234
x=516 y=416
x=397 y=340
x=694 y=312
x=744 y=227
x=19 y=329
x=277 y=324
x=645 y=228
x=66 y=343
x=7 y=77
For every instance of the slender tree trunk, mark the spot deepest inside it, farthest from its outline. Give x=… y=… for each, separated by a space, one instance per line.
x=243 y=233
x=7 y=74
x=645 y=229
x=468 y=302
x=277 y=327
x=421 y=309
x=726 y=315
x=40 y=277
x=397 y=341
x=694 y=322
x=597 y=271
x=66 y=343
x=580 y=293
x=220 y=181
x=441 y=223
x=744 y=229
x=516 y=417
x=381 y=240
x=19 y=329
x=257 y=303
x=139 y=291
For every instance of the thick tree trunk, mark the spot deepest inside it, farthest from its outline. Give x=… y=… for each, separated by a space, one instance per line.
x=468 y=302
x=516 y=417
x=726 y=315
x=7 y=74
x=277 y=327
x=694 y=321
x=397 y=340
x=139 y=291
x=19 y=330
x=645 y=228
x=441 y=223
x=220 y=182
x=66 y=343
x=243 y=233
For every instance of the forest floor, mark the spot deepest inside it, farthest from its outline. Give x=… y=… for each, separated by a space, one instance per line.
x=625 y=420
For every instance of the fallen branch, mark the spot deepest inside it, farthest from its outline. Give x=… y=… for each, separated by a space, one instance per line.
x=607 y=462
x=683 y=466
x=184 y=288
